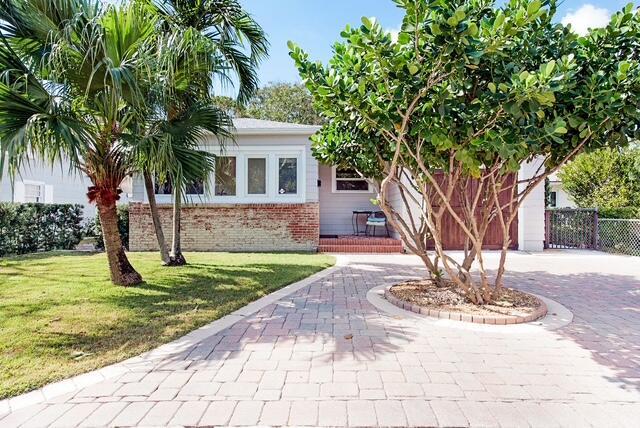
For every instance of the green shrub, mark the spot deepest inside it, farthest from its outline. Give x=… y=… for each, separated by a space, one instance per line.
x=95 y=229
x=28 y=228
x=622 y=212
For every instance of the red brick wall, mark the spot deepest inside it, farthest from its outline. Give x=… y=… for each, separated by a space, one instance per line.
x=231 y=227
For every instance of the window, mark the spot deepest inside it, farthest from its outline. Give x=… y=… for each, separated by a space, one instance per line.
x=348 y=180
x=225 y=182
x=163 y=188
x=288 y=176
x=166 y=187
x=33 y=193
x=257 y=176
x=553 y=199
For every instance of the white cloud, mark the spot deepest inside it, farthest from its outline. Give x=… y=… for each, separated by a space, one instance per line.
x=588 y=16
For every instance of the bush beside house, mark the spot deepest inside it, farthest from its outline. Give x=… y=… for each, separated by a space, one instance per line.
x=30 y=227
x=95 y=229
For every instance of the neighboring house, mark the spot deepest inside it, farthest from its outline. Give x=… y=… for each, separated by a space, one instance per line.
x=558 y=197
x=39 y=182
x=270 y=193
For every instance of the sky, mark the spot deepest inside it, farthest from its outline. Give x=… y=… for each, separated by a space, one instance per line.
x=316 y=24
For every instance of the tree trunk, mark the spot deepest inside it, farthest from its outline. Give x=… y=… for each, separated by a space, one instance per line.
x=122 y=273
x=177 y=258
x=155 y=215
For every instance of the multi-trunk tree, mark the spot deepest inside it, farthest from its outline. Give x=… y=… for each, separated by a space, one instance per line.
x=443 y=117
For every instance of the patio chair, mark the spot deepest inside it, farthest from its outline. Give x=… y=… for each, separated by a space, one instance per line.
x=377 y=219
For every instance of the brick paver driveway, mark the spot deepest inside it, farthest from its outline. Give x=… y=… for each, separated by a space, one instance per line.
x=325 y=356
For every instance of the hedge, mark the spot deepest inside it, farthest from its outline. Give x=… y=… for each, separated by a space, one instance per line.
x=622 y=212
x=95 y=229
x=28 y=228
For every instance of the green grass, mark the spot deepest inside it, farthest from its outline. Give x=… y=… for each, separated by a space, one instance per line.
x=60 y=315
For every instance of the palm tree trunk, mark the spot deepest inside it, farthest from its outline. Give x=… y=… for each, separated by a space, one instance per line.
x=177 y=258
x=155 y=216
x=122 y=273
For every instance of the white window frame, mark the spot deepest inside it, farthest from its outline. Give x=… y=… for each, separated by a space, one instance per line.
x=335 y=179
x=276 y=173
x=267 y=178
x=42 y=187
x=242 y=154
x=239 y=191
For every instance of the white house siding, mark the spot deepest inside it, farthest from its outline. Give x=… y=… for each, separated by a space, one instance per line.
x=336 y=208
x=563 y=200
x=531 y=212
x=59 y=185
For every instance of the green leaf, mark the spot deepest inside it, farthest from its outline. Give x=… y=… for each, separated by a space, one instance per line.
x=492 y=87
x=413 y=69
x=533 y=7
x=560 y=130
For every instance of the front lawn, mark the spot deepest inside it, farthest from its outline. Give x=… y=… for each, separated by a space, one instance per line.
x=60 y=315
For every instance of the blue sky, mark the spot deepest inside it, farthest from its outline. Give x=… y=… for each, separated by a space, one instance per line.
x=316 y=24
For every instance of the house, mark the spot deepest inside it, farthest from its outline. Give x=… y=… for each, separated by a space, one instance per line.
x=270 y=193
x=558 y=197
x=39 y=182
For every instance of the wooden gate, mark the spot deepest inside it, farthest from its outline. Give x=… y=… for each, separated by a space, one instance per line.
x=454 y=237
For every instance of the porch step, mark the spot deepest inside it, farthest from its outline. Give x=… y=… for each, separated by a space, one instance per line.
x=360 y=244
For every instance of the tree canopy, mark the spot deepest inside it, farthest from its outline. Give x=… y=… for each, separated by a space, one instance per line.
x=472 y=90
x=282 y=102
x=604 y=179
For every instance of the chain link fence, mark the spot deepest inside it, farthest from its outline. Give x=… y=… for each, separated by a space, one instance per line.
x=582 y=229
x=620 y=236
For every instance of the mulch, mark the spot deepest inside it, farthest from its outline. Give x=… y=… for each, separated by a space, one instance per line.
x=450 y=298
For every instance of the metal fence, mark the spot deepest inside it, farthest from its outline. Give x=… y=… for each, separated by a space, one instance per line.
x=619 y=236
x=571 y=228
x=583 y=229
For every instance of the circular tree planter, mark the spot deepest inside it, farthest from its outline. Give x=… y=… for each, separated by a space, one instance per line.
x=466 y=312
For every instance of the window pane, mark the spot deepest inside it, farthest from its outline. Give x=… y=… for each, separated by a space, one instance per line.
x=352 y=185
x=225 y=176
x=164 y=188
x=288 y=176
x=32 y=193
x=346 y=173
x=195 y=187
x=257 y=176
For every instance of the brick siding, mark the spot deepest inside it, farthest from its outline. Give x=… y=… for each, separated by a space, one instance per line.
x=231 y=227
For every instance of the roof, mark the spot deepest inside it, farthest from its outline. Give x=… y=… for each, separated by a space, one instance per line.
x=248 y=126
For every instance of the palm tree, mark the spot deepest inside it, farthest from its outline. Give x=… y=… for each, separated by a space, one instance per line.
x=69 y=90
x=202 y=40
x=169 y=151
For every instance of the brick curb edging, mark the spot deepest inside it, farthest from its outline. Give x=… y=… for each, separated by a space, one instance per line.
x=540 y=312
x=147 y=360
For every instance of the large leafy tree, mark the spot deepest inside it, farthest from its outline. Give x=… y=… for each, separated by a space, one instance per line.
x=283 y=102
x=606 y=178
x=200 y=41
x=70 y=86
x=447 y=114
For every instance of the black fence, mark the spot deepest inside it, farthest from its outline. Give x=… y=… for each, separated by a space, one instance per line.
x=571 y=228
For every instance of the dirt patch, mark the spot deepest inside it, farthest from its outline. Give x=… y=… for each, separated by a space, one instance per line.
x=451 y=299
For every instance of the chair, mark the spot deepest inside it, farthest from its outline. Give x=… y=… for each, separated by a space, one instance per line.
x=377 y=219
